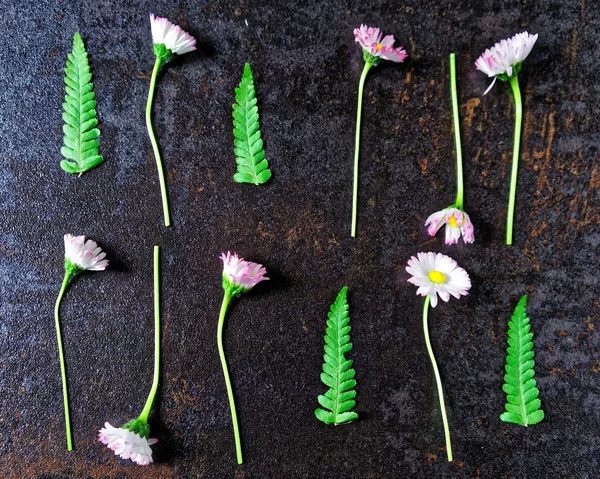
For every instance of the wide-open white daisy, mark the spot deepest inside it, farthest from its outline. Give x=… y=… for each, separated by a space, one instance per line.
x=437 y=274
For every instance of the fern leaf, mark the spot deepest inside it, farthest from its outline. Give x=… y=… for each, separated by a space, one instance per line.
x=250 y=156
x=337 y=373
x=80 y=133
x=522 y=403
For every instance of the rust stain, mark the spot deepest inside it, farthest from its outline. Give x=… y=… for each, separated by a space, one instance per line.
x=469 y=111
x=595 y=368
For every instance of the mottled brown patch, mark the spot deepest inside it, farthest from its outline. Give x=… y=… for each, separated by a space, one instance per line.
x=468 y=111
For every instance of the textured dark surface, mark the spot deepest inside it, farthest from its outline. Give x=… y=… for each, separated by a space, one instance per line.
x=306 y=68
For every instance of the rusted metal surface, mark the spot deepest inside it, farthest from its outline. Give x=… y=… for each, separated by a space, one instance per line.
x=306 y=69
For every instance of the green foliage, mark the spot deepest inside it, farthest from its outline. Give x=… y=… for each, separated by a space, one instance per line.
x=80 y=133
x=523 y=405
x=337 y=371
x=250 y=156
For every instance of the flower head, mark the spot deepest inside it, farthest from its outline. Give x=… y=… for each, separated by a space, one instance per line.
x=170 y=39
x=504 y=59
x=127 y=444
x=438 y=274
x=457 y=223
x=375 y=48
x=84 y=254
x=239 y=275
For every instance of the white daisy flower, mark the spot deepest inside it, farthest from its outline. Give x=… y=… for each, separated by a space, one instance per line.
x=457 y=224
x=84 y=254
x=127 y=444
x=172 y=36
x=437 y=274
x=505 y=57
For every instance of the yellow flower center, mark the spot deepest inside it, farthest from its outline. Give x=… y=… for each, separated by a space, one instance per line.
x=379 y=46
x=452 y=221
x=437 y=277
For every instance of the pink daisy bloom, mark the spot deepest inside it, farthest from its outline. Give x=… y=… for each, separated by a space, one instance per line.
x=85 y=255
x=127 y=444
x=371 y=41
x=457 y=223
x=504 y=59
x=437 y=274
x=172 y=36
x=241 y=274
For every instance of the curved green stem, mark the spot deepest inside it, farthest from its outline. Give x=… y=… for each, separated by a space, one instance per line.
x=437 y=379
x=61 y=355
x=514 y=83
x=361 y=85
x=459 y=167
x=150 y=400
x=236 y=432
x=159 y=166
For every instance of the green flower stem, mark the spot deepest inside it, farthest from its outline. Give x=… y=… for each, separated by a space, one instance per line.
x=159 y=166
x=361 y=85
x=63 y=370
x=459 y=167
x=514 y=83
x=437 y=378
x=236 y=432
x=150 y=400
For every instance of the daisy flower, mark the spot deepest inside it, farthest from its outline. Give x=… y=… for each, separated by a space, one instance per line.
x=169 y=41
x=504 y=61
x=80 y=255
x=375 y=48
x=127 y=444
x=457 y=224
x=85 y=255
x=370 y=39
x=176 y=40
x=437 y=274
x=239 y=276
x=132 y=440
x=454 y=217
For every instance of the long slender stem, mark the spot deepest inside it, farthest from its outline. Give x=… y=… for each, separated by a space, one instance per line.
x=159 y=166
x=459 y=167
x=150 y=400
x=63 y=369
x=361 y=85
x=236 y=432
x=437 y=379
x=514 y=83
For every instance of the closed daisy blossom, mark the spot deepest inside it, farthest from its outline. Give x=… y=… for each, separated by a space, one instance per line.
x=457 y=224
x=504 y=59
x=127 y=444
x=437 y=274
x=85 y=255
x=241 y=273
x=172 y=36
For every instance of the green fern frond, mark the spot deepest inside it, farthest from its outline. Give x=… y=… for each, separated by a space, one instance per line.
x=250 y=156
x=522 y=406
x=80 y=133
x=337 y=370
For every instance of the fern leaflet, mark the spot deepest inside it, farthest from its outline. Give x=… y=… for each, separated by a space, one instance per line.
x=337 y=370
x=522 y=406
x=80 y=133
x=250 y=156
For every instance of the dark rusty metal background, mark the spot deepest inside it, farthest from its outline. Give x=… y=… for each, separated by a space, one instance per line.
x=306 y=68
